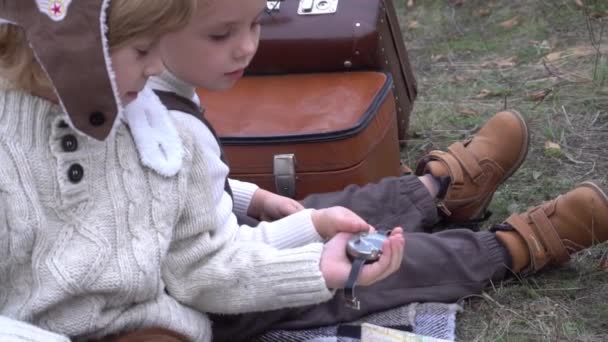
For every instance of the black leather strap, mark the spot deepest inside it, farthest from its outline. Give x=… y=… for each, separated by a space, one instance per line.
x=176 y=102
x=349 y=287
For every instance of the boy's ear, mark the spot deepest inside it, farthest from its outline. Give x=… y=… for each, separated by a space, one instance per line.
x=69 y=40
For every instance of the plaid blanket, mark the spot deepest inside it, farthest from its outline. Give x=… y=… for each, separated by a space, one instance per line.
x=429 y=319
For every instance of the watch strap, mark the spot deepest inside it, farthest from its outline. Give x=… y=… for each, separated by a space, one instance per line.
x=349 y=287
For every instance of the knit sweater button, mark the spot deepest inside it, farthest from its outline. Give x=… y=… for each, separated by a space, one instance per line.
x=69 y=143
x=97 y=119
x=75 y=173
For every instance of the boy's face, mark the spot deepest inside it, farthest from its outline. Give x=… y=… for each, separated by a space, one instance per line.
x=213 y=51
x=133 y=63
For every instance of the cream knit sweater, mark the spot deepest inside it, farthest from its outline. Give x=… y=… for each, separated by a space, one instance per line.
x=272 y=234
x=126 y=247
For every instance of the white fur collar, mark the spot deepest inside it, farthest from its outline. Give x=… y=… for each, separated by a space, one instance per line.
x=158 y=143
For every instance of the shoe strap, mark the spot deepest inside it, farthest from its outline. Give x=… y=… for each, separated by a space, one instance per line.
x=542 y=239
x=538 y=255
x=456 y=174
x=458 y=161
x=467 y=160
x=549 y=235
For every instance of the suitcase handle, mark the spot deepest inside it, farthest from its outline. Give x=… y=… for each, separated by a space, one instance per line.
x=284 y=170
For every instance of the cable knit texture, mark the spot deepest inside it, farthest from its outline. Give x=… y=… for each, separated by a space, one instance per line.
x=125 y=247
x=301 y=229
x=242 y=191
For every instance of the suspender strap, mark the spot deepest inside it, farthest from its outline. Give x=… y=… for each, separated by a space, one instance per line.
x=175 y=102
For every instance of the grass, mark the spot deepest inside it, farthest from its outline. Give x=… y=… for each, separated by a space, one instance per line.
x=549 y=60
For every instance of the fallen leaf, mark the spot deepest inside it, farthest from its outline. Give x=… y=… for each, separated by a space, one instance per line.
x=501 y=63
x=437 y=58
x=483 y=94
x=508 y=24
x=553 y=149
x=508 y=62
x=598 y=15
x=466 y=111
x=578 y=51
x=410 y=3
x=536 y=174
x=562 y=73
x=539 y=95
x=579 y=3
x=553 y=56
x=482 y=12
x=581 y=51
x=413 y=25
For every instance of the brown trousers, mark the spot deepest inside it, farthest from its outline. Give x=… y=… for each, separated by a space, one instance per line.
x=146 y=335
x=439 y=267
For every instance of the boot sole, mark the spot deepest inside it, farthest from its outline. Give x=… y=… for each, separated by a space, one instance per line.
x=515 y=167
x=597 y=189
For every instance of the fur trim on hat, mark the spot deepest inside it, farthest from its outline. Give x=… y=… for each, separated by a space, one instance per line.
x=103 y=21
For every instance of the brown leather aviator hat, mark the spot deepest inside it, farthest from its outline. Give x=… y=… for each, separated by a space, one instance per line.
x=69 y=40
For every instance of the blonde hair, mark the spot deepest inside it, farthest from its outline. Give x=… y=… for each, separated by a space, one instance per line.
x=127 y=20
x=130 y=19
x=17 y=62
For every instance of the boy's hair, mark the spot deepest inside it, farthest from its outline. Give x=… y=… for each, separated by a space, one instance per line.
x=127 y=20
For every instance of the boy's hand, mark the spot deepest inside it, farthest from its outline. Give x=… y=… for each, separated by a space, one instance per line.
x=334 y=220
x=268 y=206
x=336 y=266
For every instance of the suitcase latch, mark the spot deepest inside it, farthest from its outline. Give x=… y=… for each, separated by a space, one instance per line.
x=273 y=5
x=284 y=169
x=315 y=7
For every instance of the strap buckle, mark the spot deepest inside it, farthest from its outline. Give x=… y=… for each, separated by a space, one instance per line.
x=352 y=302
x=350 y=298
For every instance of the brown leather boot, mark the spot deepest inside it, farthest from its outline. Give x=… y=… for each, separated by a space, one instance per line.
x=477 y=166
x=549 y=233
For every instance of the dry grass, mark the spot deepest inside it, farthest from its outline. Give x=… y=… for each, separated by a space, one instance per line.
x=549 y=60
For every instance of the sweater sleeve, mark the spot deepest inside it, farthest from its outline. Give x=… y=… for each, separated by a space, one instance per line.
x=18 y=331
x=243 y=193
x=207 y=268
x=291 y=231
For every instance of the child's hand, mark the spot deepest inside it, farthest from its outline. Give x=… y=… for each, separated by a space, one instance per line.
x=268 y=206
x=334 y=220
x=336 y=266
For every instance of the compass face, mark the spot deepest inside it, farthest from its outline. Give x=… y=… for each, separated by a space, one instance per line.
x=366 y=246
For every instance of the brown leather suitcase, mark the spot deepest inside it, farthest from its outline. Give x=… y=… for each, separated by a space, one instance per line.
x=307 y=133
x=304 y=36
